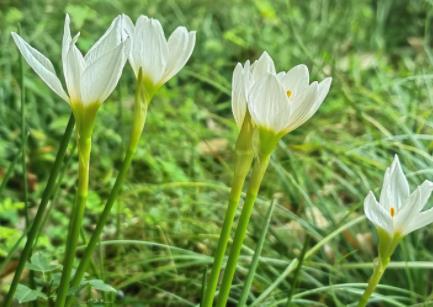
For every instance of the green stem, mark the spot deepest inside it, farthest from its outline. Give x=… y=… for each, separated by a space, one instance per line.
x=242 y=167
x=378 y=271
x=24 y=146
x=256 y=257
x=84 y=148
x=255 y=181
x=46 y=195
x=140 y=113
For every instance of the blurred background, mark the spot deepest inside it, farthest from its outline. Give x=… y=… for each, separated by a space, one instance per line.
x=167 y=220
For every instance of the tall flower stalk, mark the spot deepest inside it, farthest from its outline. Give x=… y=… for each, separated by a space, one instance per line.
x=147 y=39
x=276 y=104
x=397 y=213
x=89 y=80
x=39 y=217
x=243 y=160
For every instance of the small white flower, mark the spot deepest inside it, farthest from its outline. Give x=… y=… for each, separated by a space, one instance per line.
x=279 y=102
x=398 y=211
x=160 y=59
x=89 y=79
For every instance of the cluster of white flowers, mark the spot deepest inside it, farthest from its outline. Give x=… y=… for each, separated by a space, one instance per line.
x=92 y=78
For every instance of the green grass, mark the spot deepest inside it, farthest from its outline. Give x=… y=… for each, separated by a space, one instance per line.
x=157 y=244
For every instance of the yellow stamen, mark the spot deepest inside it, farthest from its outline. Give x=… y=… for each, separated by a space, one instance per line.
x=289 y=93
x=392 y=211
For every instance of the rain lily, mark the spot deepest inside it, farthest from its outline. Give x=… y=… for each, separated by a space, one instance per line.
x=89 y=79
x=399 y=212
x=158 y=58
x=276 y=102
x=266 y=105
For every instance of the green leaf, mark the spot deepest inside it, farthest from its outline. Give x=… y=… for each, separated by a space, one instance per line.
x=100 y=285
x=40 y=263
x=24 y=294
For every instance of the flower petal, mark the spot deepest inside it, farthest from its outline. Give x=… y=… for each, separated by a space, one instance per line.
x=100 y=78
x=109 y=40
x=303 y=107
x=149 y=49
x=73 y=67
x=268 y=103
x=408 y=219
x=262 y=66
x=395 y=189
x=296 y=79
x=239 y=95
x=180 y=45
x=73 y=62
x=41 y=65
x=375 y=213
x=423 y=219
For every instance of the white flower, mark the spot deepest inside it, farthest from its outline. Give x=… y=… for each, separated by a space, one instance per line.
x=159 y=59
x=279 y=102
x=89 y=79
x=399 y=211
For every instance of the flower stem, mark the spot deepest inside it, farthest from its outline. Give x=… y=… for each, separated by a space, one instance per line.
x=379 y=269
x=84 y=148
x=242 y=167
x=35 y=225
x=255 y=260
x=253 y=188
x=140 y=113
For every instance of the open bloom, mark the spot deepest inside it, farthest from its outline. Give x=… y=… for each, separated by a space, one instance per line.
x=89 y=79
x=159 y=59
x=278 y=102
x=398 y=211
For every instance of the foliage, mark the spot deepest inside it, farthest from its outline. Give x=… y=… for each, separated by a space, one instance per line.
x=155 y=248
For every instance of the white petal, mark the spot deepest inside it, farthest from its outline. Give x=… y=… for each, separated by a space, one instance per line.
x=303 y=107
x=262 y=66
x=109 y=40
x=268 y=103
x=375 y=213
x=180 y=46
x=395 y=189
x=408 y=219
x=149 y=49
x=239 y=99
x=73 y=62
x=73 y=67
x=423 y=219
x=296 y=80
x=100 y=78
x=317 y=99
x=41 y=65
x=67 y=39
x=324 y=87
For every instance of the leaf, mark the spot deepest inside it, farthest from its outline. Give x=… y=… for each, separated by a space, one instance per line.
x=24 y=294
x=100 y=285
x=40 y=263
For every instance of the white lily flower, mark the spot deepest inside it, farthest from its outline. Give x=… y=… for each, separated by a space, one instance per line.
x=159 y=59
x=398 y=211
x=89 y=79
x=279 y=102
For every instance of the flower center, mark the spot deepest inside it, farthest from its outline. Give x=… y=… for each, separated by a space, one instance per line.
x=392 y=211
x=289 y=93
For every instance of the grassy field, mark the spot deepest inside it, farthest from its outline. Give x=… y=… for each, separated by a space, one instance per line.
x=165 y=225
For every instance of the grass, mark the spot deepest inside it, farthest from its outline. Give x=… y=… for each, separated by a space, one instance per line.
x=157 y=244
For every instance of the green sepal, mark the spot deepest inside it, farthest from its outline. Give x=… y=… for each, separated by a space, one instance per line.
x=244 y=143
x=387 y=244
x=147 y=88
x=85 y=115
x=266 y=141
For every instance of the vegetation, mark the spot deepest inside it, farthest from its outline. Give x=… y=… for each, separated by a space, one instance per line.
x=165 y=225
